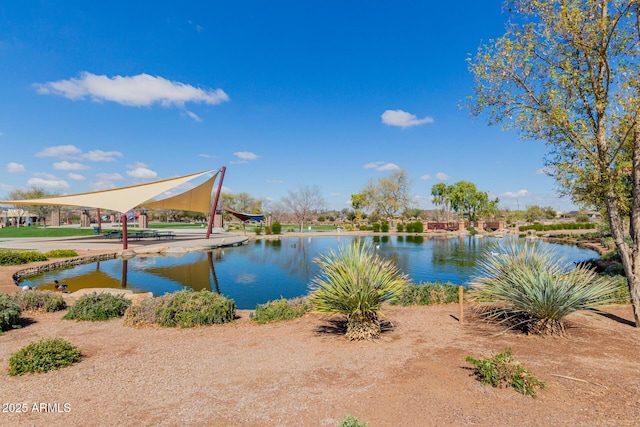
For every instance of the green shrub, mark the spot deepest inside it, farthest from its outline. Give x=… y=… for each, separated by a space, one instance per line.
x=188 y=308
x=530 y=287
x=472 y=230
x=418 y=227
x=428 y=293
x=504 y=369
x=351 y=421
x=384 y=227
x=280 y=309
x=10 y=257
x=39 y=301
x=276 y=228
x=9 y=313
x=268 y=230
x=355 y=281
x=61 y=253
x=96 y=307
x=43 y=356
x=375 y=227
x=399 y=227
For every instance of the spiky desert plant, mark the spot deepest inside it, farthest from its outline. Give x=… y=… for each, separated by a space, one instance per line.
x=355 y=281
x=532 y=288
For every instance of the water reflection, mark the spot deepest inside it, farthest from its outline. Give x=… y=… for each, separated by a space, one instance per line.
x=268 y=269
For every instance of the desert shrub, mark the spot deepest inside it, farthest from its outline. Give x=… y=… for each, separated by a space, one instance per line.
x=188 y=308
x=503 y=369
x=351 y=421
x=399 y=227
x=268 y=230
x=39 y=301
x=384 y=227
x=9 y=313
x=43 y=356
x=61 y=253
x=375 y=227
x=530 y=287
x=428 y=293
x=96 y=307
x=9 y=257
x=276 y=228
x=355 y=281
x=415 y=227
x=144 y=312
x=280 y=309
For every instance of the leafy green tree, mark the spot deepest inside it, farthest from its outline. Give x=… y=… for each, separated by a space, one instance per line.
x=441 y=196
x=389 y=196
x=358 y=201
x=567 y=72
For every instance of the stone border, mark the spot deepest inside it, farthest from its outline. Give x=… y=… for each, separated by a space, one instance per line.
x=32 y=271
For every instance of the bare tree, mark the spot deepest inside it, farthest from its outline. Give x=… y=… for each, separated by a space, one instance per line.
x=304 y=204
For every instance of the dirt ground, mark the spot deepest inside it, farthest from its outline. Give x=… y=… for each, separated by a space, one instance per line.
x=304 y=373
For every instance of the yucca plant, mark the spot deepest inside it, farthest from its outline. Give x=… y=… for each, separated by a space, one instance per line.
x=355 y=281
x=530 y=287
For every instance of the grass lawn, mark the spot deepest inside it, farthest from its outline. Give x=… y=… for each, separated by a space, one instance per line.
x=15 y=232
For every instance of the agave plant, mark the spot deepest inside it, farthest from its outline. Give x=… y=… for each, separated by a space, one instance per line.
x=532 y=288
x=355 y=281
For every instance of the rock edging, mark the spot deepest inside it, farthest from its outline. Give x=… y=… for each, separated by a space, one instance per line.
x=32 y=271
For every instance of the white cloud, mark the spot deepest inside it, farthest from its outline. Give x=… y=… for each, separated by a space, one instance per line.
x=206 y=156
x=372 y=165
x=45 y=175
x=59 y=151
x=381 y=166
x=141 y=171
x=109 y=176
x=76 y=176
x=139 y=90
x=245 y=155
x=5 y=187
x=67 y=166
x=59 y=184
x=443 y=176
x=101 y=185
x=516 y=194
x=194 y=116
x=403 y=119
x=15 y=167
x=101 y=156
x=388 y=167
x=425 y=177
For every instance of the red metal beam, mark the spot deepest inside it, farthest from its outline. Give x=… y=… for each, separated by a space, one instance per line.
x=215 y=203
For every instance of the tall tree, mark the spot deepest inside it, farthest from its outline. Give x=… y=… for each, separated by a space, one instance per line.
x=441 y=197
x=389 y=196
x=357 y=202
x=40 y=211
x=567 y=72
x=304 y=204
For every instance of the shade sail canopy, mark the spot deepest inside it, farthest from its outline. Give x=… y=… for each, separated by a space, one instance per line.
x=198 y=199
x=245 y=216
x=118 y=199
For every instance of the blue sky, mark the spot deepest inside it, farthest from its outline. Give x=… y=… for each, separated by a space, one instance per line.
x=98 y=95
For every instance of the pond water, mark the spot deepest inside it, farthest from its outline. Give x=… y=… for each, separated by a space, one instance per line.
x=265 y=270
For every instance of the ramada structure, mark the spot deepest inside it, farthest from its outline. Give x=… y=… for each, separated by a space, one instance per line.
x=122 y=200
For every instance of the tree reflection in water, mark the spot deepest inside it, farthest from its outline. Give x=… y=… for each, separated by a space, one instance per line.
x=269 y=269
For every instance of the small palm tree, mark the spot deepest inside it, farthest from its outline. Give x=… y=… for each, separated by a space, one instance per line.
x=530 y=287
x=355 y=281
